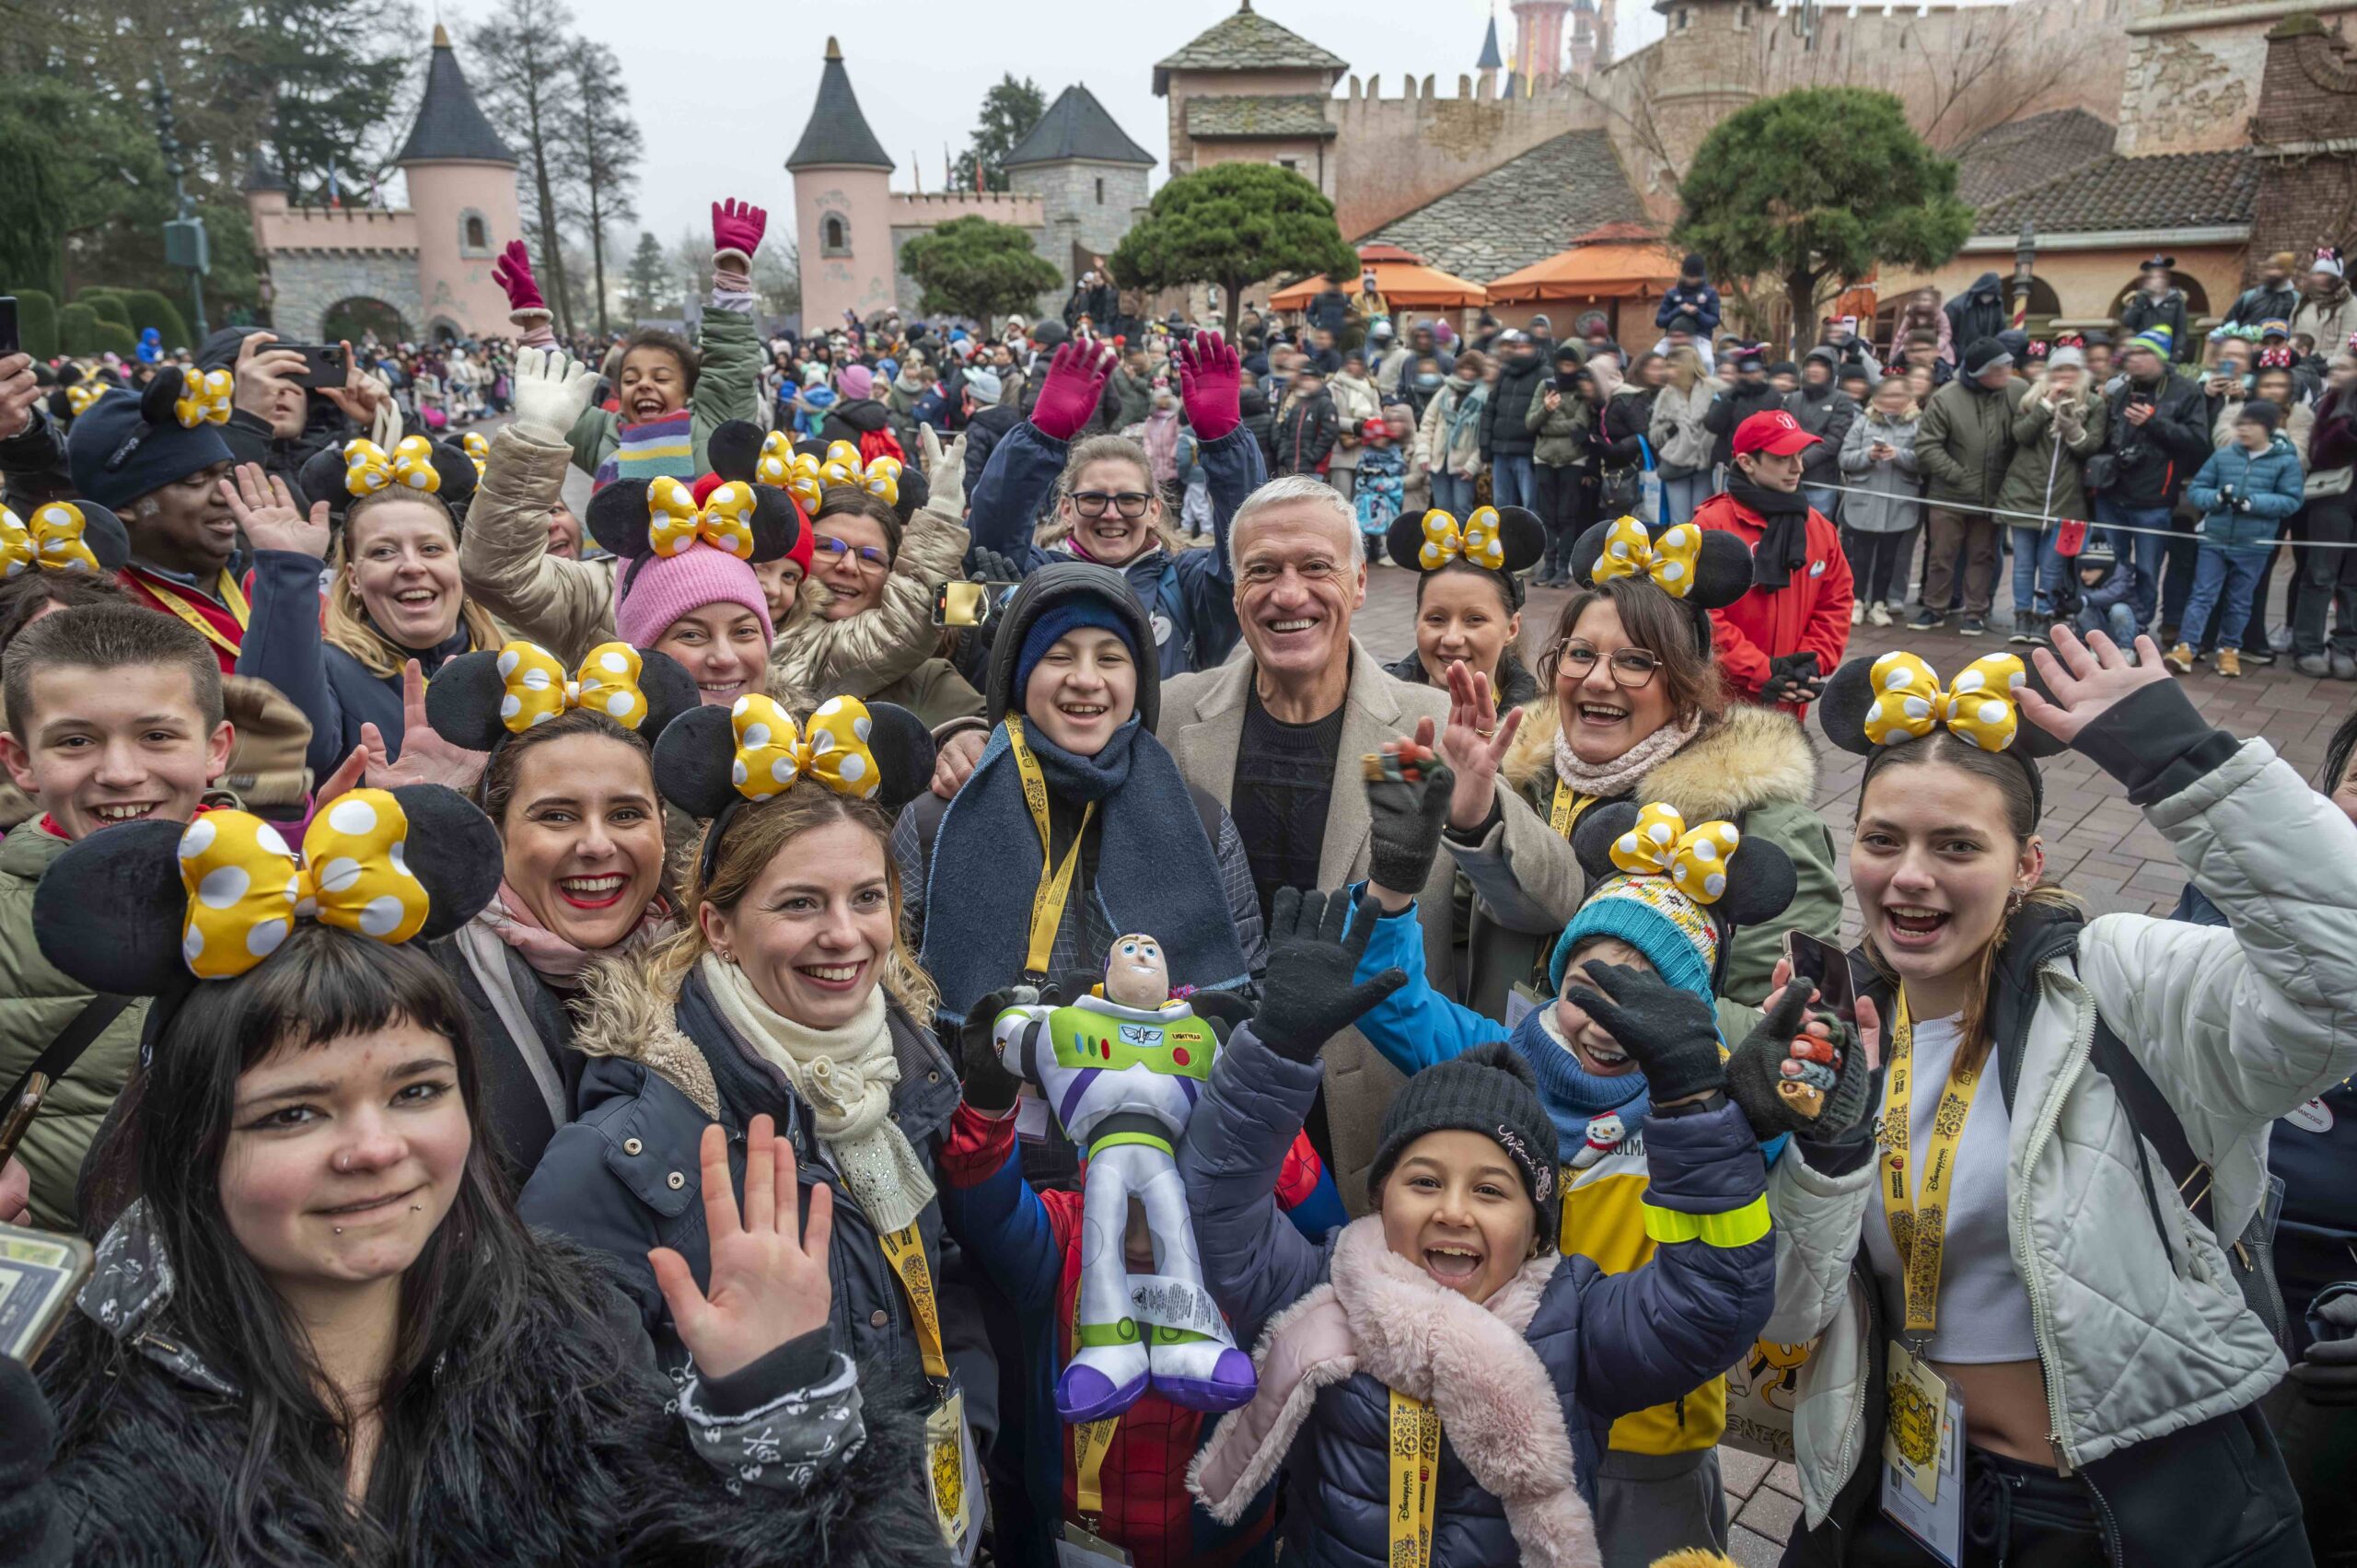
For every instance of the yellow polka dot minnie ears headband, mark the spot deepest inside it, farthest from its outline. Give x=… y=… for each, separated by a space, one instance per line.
x=1873 y=707
x=714 y=761
x=416 y=466
x=731 y=509
x=479 y=701
x=63 y=536
x=144 y=909
x=1702 y=568
x=807 y=470
x=1706 y=880
x=1497 y=538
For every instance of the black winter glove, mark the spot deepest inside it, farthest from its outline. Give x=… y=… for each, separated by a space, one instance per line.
x=989 y=1085
x=1410 y=803
x=984 y=564
x=1308 y=996
x=1791 y=678
x=1673 y=1033
x=2329 y=1374
x=1756 y=1070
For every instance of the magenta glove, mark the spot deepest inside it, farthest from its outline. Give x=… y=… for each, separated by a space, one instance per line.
x=513 y=272
x=1076 y=382
x=737 y=225
x=1210 y=385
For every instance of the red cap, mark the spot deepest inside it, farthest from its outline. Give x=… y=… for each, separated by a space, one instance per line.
x=1774 y=432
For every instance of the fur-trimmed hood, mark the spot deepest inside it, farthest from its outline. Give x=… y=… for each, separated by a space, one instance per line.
x=630 y=1016
x=1748 y=758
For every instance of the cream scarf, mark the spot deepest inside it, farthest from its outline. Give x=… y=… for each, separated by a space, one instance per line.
x=846 y=1076
x=1604 y=780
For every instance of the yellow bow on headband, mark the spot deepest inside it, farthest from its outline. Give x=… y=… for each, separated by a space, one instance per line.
x=83 y=393
x=1695 y=861
x=477 y=447
x=247 y=888
x=726 y=522
x=52 y=540
x=772 y=754
x=1478 y=543
x=843 y=452
x=205 y=400
x=1982 y=705
x=775 y=464
x=804 y=482
x=1629 y=550
x=537 y=689
x=881 y=477
x=366 y=470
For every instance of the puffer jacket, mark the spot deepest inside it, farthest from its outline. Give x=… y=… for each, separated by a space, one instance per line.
x=2142 y=1333
x=2329 y=320
x=1826 y=412
x=1449 y=440
x=2267 y=490
x=1679 y=437
x=1559 y=436
x=1505 y=430
x=2140 y=311
x=1355 y=403
x=862 y=655
x=568 y=607
x=36 y=1004
x=626 y=1173
x=728 y=386
x=1886 y=490
x=1753 y=767
x=1966 y=441
x=1600 y=1345
x=2046 y=476
x=1731 y=405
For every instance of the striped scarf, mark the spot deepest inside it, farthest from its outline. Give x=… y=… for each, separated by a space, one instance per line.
x=659 y=448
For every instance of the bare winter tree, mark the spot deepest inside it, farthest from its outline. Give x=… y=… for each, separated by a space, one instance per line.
x=607 y=146
x=531 y=96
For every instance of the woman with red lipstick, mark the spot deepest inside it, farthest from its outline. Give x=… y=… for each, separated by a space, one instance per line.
x=2074 y=1131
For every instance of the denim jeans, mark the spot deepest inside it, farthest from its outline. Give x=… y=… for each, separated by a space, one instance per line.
x=2117 y=622
x=1453 y=494
x=2223 y=579
x=2037 y=573
x=2146 y=549
x=1680 y=497
x=1512 y=482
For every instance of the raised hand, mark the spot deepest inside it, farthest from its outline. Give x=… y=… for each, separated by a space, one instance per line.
x=1210 y=385
x=990 y=1086
x=19 y=393
x=551 y=392
x=738 y=226
x=944 y=471
x=425 y=757
x=953 y=762
x=265 y=509
x=1672 y=1032
x=2086 y=680
x=361 y=394
x=768 y=1272
x=1076 y=382
x=1309 y=994
x=512 y=273
x=1474 y=744
x=1795 y=1043
x=265 y=376
x=1408 y=789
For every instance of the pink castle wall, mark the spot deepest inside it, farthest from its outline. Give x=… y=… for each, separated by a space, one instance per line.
x=456 y=284
x=862 y=280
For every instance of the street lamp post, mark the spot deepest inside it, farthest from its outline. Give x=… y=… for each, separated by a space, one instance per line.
x=2024 y=258
x=184 y=240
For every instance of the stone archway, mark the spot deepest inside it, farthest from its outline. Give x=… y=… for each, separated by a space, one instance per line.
x=350 y=318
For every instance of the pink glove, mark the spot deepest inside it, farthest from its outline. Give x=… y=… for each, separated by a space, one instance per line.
x=513 y=272
x=1075 y=383
x=1210 y=385
x=737 y=225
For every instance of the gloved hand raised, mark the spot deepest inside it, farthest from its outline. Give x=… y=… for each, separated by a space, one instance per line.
x=512 y=273
x=1793 y=1044
x=551 y=392
x=737 y=225
x=1068 y=398
x=1673 y=1033
x=1308 y=995
x=990 y=1087
x=945 y=471
x=1407 y=790
x=1210 y=385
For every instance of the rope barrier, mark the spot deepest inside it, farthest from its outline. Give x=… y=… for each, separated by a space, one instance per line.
x=2048 y=522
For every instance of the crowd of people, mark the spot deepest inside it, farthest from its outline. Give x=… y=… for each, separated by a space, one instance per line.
x=508 y=1002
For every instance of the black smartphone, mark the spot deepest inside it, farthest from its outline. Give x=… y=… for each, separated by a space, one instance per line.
x=7 y=325
x=1567 y=382
x=1827 y=966
x=322 y=363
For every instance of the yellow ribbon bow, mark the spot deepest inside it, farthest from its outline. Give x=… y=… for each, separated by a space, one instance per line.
x=52 y=540
x=842 y=452
x=477 y=447
x=366 y=469
x=1983 y=705
x=205 y=400
x=724 y=523
x=775 y=464
x=772 y=754
x=1694 y=860
x=247 y=888
x=539 y=691
x=1629 y=550
x=1478 y=542
x=805 y=483
x=881 y=477
x=83 y=393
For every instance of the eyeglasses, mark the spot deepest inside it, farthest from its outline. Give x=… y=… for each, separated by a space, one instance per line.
x=1128 y=503
x=1631 y=668
x=869 y=554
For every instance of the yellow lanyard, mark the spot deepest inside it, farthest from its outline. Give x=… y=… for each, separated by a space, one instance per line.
x=904 y=1250
x=1415 y=1480
x=1568 y=808
x=1091 y=1441
x=1047 y=901
x=232 y=597
x=1920 y=1244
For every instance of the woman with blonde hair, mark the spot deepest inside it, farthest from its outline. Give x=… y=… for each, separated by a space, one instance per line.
x=1882 y=512
x=1681 y=446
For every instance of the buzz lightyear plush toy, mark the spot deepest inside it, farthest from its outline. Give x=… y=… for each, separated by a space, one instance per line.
x=1123 y=1067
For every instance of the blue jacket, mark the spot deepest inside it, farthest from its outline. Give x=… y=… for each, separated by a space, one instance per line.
x=2266 y=487
x=1702 y=299
x=1610 y=1343
x=2124 y=585
x=1190 y=596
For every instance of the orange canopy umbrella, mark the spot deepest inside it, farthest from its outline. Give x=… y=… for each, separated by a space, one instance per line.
x=1610 y=269
x=1404 y=282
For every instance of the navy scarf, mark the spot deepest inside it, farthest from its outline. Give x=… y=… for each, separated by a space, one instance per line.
x=1574 y=1095
x=1156 y=871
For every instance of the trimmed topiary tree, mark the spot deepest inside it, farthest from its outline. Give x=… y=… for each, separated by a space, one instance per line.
x=77 y=328
x=150 y=308
x=117 y=339
x=37 y=323
x=107 y=306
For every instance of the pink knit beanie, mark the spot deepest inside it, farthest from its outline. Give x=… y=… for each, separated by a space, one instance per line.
x=856 y=380
x=665 y=587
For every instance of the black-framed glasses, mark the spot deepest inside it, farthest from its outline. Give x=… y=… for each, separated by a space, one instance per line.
x=1130 y=504
x=1631 y=668
x=836 y=548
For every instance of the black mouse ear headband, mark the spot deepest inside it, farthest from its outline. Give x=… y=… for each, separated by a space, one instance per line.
x=480 y=699
x=188 y=398
x=640 y=519
x=1503 y=539
x=1869 y=707
x=63 y=535
x=1735 y=880
x=143 y=908
x=716 y=760
x=1707 y=568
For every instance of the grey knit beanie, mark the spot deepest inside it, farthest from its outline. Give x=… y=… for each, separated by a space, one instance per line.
x=1489 y=1090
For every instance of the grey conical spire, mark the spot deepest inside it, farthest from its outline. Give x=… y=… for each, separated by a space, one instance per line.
x=838 y=132
x=451 y=125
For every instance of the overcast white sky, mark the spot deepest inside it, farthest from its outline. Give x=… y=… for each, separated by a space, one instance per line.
x=722 y=89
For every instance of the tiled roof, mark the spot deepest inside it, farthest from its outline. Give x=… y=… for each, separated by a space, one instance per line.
x=2014 y=156
x=1246 y=42
x=1522 y=211
x=1075 y=126
x=838 y=132
x=2171 y=192
x=1293 y=114
x=449 y=123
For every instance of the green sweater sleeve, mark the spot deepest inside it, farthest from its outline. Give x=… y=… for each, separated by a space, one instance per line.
x=728 y=384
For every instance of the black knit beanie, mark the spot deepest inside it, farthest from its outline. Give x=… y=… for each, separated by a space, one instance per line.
x=1489 y=1090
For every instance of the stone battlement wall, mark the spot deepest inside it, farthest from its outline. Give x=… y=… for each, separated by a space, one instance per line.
x=331 y=228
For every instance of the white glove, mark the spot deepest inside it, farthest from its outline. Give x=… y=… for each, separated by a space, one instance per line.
x=552 y=391
x=944 y=472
